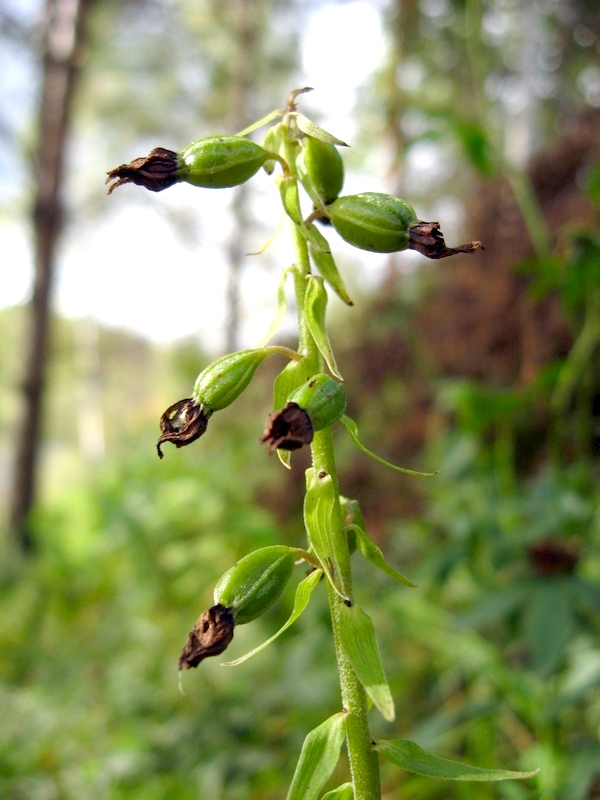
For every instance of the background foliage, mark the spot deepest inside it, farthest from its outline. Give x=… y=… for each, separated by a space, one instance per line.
x=488 y=373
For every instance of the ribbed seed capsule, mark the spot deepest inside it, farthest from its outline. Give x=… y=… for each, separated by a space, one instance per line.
x=373 y=221
x=323 y=169
x=225 y=379
x=221 y=161
x=252 y=585
x=214 y=162
x=323 y=399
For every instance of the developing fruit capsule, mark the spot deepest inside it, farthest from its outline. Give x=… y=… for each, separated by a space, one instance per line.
x=225 y=379
x=214 y=162
x=323 y=399
x=221 y=161
x=373 y=221
x=252 y=585
x=324 y=169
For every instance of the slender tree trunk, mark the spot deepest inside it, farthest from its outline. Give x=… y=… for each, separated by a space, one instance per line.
x=63 y=38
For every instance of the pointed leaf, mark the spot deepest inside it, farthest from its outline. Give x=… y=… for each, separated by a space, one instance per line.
x=323 y=518
x=264 y=121
x=353 y=433
x=315 y=305
x=303 y=593
x=325 y=263
x=288 y=189
x=280 y=312
x=320 y=753
x=343 y=792
x=358 y=639
x=549 y=621
x=264 y=247
x=273 y=142
x=308 y=127
x=374 y=554
x=412 y=758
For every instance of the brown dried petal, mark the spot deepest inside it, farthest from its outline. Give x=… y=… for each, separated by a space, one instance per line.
x=156 y=171
x=210 y=636
x=553 y=557
x=287 y=429
x=427 y=238
x=182 y=423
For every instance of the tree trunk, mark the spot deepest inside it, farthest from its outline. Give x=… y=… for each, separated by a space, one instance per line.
x=63 y=38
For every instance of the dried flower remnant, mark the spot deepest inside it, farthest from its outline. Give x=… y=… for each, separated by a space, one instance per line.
x=553 y=557
x=182 y=423
x=156 y=171
x=288 y=429
x=210 y=636
x=427 y=239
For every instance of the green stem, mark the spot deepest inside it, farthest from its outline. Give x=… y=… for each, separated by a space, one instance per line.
x=581 y=352
x=364 y=765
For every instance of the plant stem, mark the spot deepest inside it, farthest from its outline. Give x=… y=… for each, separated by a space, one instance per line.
x=364 y=765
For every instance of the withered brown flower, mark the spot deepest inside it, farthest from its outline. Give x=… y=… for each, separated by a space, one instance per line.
x=156 y=171
x=552 y=557
x=182 y=423
x=287 y=429
x=210 y=636
x=427 y=239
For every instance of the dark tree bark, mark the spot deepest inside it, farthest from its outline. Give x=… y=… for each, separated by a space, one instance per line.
x=63 y=39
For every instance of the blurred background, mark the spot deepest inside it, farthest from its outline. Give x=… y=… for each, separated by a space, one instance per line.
x=484 y=116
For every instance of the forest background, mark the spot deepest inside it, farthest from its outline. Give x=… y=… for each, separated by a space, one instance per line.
x=481 y=115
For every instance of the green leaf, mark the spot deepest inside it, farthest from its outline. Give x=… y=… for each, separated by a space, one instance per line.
x=358 y=639
x=278 y=113
x=303 y=593
x=288 y=189
x=308 y=127
x=352 y=429
x=281 y=309
x=323 y=518
x=343 y=792
x=548 y=622
x=320 y=253
x=374 y=554
x=592 y=184
x=320 y=753
x=412 y=758
x=315 y=306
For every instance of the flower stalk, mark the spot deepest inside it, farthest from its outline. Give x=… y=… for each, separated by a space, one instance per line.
x=364 y=765
x=309 y=400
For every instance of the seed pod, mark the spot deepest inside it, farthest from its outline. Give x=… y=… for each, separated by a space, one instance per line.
x=215 y=162
x=323 y=170
x=225 y=379
x=323 y=399
x=252 y=585
x=221 y=161
x=373 y=221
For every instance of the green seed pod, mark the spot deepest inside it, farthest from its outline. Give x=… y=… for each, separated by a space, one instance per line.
x=225 y=379
x=252 y=585
x=218 y=162
x=322 y=169
x=373 y=221
x=323 y=399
